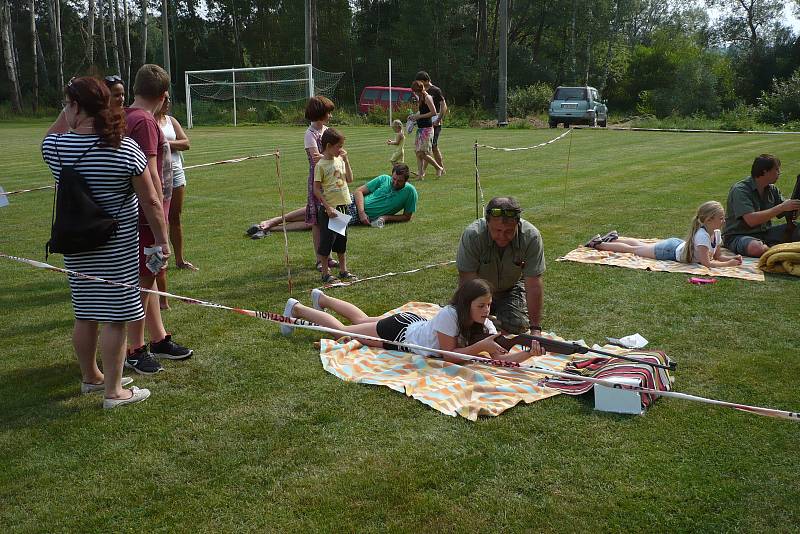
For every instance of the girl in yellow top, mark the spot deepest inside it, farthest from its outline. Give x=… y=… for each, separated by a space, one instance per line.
x=398 y=156
x=331 y=176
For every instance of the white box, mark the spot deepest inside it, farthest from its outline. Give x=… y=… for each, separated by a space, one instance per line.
x=616 y=399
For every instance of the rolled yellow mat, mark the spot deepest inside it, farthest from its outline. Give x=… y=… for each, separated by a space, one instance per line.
x=780 y=257
x=791 y=268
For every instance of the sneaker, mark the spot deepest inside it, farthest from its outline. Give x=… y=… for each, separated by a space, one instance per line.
x=168 y=349
x=138 y=395
x=261 y=234
x=287 y=330
x=92 y=388
x=141 y=361
x=315 y=295
x=253 y=229
x=610 y=236
x=594 y=241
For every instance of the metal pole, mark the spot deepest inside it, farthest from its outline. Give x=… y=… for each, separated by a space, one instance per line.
x=310 y=80
x=188 y=100
x=390 y=92
x=477 y=212
x=502 y=82
x=233 y=72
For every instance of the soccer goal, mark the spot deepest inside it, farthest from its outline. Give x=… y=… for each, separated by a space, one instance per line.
x=215 y=94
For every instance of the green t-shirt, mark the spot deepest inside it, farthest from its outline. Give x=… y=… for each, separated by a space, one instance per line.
x=383 y=199
x=743 y=198
x=478 y=253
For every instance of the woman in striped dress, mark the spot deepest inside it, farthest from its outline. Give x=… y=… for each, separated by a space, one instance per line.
x=90 y=135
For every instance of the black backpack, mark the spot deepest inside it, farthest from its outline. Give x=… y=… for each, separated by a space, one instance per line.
x=78 y=223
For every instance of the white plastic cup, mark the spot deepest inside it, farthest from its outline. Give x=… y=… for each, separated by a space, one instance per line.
x=377 y=223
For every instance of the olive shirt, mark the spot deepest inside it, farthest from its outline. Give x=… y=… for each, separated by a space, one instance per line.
x=743 y=198
x=502 y=268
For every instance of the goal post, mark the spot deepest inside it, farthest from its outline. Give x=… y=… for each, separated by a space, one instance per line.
x=282 y=83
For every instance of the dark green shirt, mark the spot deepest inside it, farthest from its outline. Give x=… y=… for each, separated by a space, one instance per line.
x=743 y=198
x=502 y=268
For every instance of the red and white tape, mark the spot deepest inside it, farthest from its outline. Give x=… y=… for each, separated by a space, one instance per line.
x=301 y=323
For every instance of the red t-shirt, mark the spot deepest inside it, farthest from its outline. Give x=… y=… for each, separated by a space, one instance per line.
x=143 y=128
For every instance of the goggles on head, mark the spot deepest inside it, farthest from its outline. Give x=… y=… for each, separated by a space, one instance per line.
x=111 y=80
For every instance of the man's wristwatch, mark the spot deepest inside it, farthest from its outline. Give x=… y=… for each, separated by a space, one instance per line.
x=535 y=327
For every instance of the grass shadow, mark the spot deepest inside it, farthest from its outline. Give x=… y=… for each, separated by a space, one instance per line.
x=34 y=395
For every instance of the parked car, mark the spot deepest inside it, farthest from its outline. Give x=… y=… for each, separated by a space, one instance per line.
x=577 y=105
x=374 y=95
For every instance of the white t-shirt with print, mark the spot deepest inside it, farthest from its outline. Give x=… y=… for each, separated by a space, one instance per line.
x=446 y=321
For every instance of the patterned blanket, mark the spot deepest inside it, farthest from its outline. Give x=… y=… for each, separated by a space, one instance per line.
x=469 y=391
x=647 y=375
x=748 y=270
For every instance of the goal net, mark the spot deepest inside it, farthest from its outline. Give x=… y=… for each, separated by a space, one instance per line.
x=243 y=95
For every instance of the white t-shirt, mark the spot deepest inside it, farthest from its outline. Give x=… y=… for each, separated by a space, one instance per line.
x=311 y=136
x=446 y=321
x=701 y=239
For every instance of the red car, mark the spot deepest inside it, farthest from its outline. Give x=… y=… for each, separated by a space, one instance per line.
x=374 y=95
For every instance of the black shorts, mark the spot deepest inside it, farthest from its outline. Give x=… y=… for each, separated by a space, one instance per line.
x=330 y=241
x=436 y=131
x=394 y=328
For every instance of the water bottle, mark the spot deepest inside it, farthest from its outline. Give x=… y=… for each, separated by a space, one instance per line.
x=377 y=223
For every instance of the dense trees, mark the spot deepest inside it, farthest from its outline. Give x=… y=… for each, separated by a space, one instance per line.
x=660 y=56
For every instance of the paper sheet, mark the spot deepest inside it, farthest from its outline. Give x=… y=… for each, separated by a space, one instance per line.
x=339 y=223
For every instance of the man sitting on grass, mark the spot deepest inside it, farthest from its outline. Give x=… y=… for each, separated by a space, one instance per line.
x=382 y=198
x=752 y=204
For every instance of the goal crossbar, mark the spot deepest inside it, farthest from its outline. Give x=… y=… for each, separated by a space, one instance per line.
x=309 y=80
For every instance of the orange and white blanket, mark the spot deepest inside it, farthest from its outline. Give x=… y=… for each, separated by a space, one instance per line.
x=748 y=270
x=468 y=391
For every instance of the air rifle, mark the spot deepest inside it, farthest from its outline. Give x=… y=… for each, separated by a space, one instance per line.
x=566 y=347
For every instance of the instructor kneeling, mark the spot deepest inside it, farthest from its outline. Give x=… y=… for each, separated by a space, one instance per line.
x=506 y=251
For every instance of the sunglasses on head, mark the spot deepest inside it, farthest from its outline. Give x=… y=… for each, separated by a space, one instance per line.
x=503 y=212
x=111 y=80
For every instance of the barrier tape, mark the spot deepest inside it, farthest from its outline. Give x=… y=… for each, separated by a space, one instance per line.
x=689 y=130
x=307 y=325
x=303 y=324
x=384 y=275
x=540 y=145
x=234 y=160
x=9 y=193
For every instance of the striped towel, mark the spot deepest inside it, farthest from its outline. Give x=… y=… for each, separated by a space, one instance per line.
x=748 y=270
x=452 y=389
x=648 y=376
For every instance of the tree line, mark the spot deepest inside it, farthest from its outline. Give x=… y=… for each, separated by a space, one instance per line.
x=660 y=56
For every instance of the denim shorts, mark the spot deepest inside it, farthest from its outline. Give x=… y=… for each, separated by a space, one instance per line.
x=665 y=250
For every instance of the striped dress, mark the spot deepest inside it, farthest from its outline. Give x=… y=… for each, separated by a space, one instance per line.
x=108 y=173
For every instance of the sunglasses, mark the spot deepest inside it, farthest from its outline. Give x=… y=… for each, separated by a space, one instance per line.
x=114 y=79
x=503 y=212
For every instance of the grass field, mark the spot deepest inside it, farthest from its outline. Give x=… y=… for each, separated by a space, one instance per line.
x=252 y=434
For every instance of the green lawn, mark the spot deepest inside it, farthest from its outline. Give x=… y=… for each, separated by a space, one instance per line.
x=252 y=434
